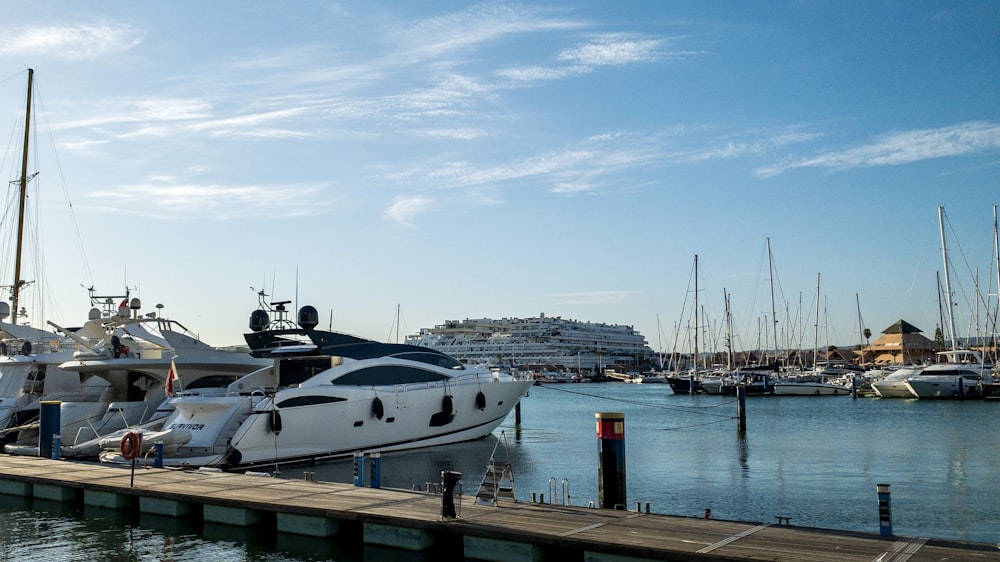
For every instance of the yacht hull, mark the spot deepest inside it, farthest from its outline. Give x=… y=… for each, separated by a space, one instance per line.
x=809 y=389
x=326 y=422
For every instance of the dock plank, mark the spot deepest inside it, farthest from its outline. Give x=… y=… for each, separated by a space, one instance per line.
x=623 y=533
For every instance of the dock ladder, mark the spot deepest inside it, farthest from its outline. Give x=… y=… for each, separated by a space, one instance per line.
x=498 y=482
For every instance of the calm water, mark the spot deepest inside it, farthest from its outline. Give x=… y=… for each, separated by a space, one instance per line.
x=816 y=460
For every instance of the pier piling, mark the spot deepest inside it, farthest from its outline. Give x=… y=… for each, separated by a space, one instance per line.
x=741 y=408
x=884 y=511
x=359 y=469
x=611 y=450
x=49 y=422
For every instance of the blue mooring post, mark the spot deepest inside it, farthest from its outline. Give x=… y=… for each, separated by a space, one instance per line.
x=158 y=460
x=49 y=423
x=611 y=452
x=691 y=385
x=359 y=469
x=884 y=511
x=741 y=408
x=854 y=387
x=375 y=479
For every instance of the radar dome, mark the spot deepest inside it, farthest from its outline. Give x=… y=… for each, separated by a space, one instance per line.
x=4 y=310
x=135 y=303
x=94 y=314
x=259 y=320
x=308 y=317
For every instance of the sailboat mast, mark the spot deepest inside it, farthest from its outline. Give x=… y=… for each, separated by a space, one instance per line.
x=774 y=314
x=729 y=333
x=816 y=327
x=696 y=313
x=861 y=331
x=996 y=255
x=16 y=288
x=947 y=281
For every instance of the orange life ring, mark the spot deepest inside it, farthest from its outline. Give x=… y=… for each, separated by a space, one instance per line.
x=131 y=445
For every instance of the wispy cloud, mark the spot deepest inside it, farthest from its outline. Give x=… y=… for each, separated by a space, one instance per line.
x=458 y=134
x=527 y=74
x=616 y=49
x=144 y=112
x=405 y=208
x=745 y=143
x=162 y=198
x=571 y=170
x=458 y=32
x=73 y=42
x=903 y=148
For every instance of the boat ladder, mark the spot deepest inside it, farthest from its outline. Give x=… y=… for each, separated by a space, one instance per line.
x=498 y=482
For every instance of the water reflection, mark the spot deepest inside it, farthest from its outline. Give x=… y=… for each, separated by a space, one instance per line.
x=743 y=447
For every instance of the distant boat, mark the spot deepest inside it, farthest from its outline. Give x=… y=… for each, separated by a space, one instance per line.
x=894 y=385
x=960 y=376
x=650 y=378
x=963 y=372
x=808 y=384
x=682 y=385
x=812 y=383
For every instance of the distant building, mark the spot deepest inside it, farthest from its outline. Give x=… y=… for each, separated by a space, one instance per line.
x=901 y=343
x=517 y=342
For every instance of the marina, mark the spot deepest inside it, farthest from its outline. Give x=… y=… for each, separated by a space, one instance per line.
x=813 y=461
x=794 y=480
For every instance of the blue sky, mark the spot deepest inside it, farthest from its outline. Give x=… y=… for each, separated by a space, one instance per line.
x=462 y=160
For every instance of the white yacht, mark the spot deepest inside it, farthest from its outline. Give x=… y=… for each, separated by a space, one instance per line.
x=961 y=375
x=326 y=395
x=27 y=355
x=117 y=376
x=894 y=384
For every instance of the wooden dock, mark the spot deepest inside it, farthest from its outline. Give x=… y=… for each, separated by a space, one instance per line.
x=412 y=520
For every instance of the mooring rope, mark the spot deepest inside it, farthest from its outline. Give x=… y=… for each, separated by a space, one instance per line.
x=690 y=409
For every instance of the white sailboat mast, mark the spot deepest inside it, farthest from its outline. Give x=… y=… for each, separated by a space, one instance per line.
x=947 y=282
x=774 y=314
x=696 y=313
x=816 y=327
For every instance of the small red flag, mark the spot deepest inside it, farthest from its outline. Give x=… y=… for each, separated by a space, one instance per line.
x=173 y=381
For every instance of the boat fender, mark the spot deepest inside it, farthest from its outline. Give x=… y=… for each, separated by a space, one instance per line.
x=3 y=348
x=26 y=348
x=481 y=400
x=447 y=406
x=378 y=409
x=234 y=457
x=131 y=445
x=275 y=421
